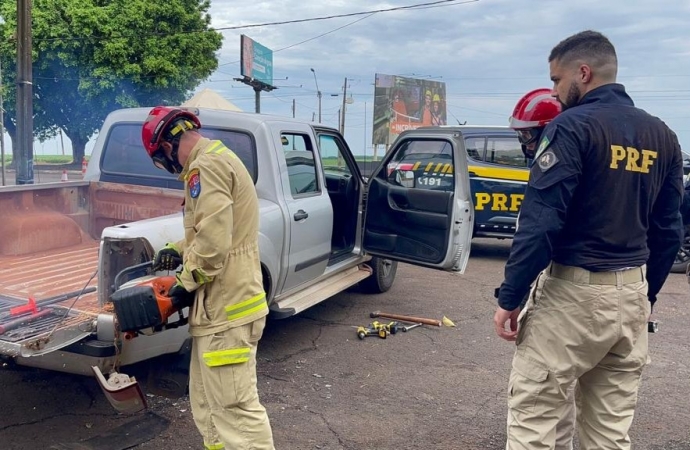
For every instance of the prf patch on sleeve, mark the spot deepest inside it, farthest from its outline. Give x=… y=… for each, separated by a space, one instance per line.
x=547 y=160
x=194 y=183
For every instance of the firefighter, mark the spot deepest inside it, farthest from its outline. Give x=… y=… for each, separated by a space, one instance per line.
x=220 y=278
x=531 y=114
x=600 y=226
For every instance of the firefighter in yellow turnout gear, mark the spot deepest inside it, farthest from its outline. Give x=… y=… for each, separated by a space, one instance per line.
x=221 y=275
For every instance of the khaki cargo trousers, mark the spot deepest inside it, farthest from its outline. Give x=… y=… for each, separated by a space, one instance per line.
x=587 y=329
x=223 y=391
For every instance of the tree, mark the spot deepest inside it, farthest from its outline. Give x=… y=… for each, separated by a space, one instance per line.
x=94 y=56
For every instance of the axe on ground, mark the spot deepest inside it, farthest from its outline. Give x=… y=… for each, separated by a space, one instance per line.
x=412 y=319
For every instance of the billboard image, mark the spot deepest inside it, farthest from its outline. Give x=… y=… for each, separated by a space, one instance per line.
x=256 y=61
x=402 y=103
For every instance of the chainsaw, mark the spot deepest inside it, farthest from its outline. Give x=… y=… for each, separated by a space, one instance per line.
x=142 y=306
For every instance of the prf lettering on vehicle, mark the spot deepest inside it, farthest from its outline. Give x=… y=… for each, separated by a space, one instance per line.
x=497 y=201
x=631 y=159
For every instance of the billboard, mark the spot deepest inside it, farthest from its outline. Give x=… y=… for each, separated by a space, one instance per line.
x=402 y=103
x=256 y=61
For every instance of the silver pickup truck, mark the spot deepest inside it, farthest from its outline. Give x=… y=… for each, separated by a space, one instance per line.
x=323 y=229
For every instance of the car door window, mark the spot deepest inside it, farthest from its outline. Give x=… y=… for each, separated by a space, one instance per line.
x=475 y=147
x=299 y=156
x=331 y=156
x=423 y=164
x=505 y=151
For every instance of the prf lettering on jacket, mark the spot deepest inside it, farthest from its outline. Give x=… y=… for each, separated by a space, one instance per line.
x=498 y=202
x=631 y=156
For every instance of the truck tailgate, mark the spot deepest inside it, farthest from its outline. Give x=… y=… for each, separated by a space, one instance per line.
x=41 y=276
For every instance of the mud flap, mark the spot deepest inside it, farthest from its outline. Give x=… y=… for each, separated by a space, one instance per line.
x=123 y=392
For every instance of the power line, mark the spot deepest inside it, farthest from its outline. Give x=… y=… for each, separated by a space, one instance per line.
x=266 y=24
x=305 y=41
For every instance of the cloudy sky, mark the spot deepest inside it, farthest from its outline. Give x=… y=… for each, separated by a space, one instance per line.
x=488 y=52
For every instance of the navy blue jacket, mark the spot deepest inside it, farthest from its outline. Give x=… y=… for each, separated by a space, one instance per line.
x=604 y=194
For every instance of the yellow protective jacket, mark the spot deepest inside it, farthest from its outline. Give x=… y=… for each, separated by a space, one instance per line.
x=220 y=250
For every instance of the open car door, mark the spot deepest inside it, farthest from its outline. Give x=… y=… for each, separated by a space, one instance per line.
x=419 y=208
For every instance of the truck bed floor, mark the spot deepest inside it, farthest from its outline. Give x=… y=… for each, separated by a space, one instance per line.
x=51 y=273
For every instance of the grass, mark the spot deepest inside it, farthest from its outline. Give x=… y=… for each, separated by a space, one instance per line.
x=47 y=159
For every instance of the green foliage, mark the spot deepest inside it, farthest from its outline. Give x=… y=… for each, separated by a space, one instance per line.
x=46 y=159
x=94 y=56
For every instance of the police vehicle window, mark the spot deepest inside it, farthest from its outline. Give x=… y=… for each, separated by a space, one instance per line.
x=475 y=147
x=331 y=156
x=241 y=144
x=124 y=154
x=299 y=156
x=423 y=164
x=505 y=151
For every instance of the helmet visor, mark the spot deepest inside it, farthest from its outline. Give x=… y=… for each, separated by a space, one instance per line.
x=527 y=136
x=160 y=161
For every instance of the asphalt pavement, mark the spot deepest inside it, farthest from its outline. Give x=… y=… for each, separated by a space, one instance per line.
x=429 y=388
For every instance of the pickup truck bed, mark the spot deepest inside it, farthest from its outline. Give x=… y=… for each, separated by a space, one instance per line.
x=49 y=245
x=47 y=274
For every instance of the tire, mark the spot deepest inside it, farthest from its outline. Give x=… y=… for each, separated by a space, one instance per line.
x=381 y=280
x=682 y=260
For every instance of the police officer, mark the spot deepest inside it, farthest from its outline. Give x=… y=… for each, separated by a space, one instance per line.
x=220 y=278
x=531 y=114
x=599 y=226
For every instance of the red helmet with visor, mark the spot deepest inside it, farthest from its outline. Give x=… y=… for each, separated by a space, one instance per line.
x=531 y=114
x=166 y=123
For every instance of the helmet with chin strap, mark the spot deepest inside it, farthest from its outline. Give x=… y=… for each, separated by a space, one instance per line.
x=166 y=124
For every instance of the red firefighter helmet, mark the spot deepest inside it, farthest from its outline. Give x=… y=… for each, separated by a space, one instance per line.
x=165 y=123
x=532 y=112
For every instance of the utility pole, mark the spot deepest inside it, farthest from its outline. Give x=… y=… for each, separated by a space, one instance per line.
x=25 y=138
x=2 y=130
x=24 y=164
x=257 y=99
x=342 y=116
x=365 y=131
x=293 y=108
x=318 y=93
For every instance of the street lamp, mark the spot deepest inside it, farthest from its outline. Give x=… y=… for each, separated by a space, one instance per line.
x=318 y=92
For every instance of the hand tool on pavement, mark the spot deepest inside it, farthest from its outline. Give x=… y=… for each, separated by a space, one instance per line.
x=409 y=327
x=412 y=319
x=363 y=332
x=379 y=329
x=652 y=326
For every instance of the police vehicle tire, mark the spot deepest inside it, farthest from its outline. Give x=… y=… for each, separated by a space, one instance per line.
x=381 y=280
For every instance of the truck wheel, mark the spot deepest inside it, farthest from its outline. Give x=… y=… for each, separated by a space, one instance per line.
x=381 y=280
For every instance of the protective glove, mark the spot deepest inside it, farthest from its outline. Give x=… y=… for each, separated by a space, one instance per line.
x=167 y=258
x=180 y=297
